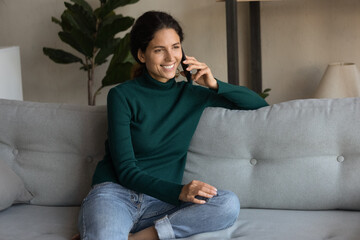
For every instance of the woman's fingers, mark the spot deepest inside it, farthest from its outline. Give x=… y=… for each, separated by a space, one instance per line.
x=198 y=201
x=194 y=65
x=203 y=75
x=190 y=58
x=205 y=194
x=200 y=73
x=206 y=187
x=197 y=188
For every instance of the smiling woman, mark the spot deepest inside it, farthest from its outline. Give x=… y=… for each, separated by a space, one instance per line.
x=163 y=55
x=146 y=32
x=137 y=187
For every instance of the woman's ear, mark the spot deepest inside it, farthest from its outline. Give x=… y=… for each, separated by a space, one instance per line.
x=141 y=56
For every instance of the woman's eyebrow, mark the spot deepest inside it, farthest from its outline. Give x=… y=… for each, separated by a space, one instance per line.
x=158 y=47
x=178 y=43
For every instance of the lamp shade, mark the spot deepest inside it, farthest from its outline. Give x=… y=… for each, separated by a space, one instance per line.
x=341 y=80
x=10 y=73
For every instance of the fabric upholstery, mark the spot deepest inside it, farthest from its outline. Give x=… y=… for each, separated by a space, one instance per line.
x=53 y=147
x=12 y=189
x=29 y=222
x=262 y=224
x=302 y=154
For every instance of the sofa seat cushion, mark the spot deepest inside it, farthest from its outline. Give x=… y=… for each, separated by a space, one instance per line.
x=29 y=222
x=262 y=224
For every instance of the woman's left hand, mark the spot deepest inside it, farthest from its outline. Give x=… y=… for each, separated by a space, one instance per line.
x=203 y=75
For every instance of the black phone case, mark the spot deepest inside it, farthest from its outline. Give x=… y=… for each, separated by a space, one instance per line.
x=184 y=66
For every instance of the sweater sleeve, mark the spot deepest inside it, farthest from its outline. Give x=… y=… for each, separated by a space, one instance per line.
x=123 y=157
x=236 y=97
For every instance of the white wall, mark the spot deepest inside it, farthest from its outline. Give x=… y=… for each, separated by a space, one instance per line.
x=299 y=39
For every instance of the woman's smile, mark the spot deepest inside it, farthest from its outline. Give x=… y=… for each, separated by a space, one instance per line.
x=168 y=66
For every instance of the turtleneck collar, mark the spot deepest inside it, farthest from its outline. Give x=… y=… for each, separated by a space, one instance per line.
x=153 y=83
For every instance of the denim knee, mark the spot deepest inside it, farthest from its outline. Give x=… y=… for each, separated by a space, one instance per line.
x=104 y=213
x=228 y=207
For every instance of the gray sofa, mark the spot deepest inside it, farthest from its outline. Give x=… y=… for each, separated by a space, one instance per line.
x=295 y=167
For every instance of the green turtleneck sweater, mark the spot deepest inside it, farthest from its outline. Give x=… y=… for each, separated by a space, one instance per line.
x=150 y=126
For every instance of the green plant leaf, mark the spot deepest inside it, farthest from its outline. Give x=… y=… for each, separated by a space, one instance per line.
x=81 y=19
x=60 y=56
x=84 y=5
x=55 y=20
x=78 y=40
x=108 y=31
x=111 y=5
x=110 y=18
x=106 y=22
x=265 y=93
x=119 y=69
x=106 y=51
x=118 y=74
x=121 y=53
x=68 y=22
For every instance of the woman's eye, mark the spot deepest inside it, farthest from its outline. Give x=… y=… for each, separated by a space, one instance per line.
x=157 y=50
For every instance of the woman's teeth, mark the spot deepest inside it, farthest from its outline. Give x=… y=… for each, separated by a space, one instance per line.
x=169 y=67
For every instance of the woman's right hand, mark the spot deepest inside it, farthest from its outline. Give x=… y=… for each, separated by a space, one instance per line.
x=197 y=188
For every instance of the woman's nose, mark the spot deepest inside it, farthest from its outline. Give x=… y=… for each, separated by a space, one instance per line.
x=169 y=56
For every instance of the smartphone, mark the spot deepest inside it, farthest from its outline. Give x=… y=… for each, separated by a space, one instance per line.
x=184 y=66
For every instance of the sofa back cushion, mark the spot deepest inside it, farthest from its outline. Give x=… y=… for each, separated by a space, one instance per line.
x=53 y=148
x=303 y=154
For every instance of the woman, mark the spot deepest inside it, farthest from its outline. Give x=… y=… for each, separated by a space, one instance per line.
x=137 y=191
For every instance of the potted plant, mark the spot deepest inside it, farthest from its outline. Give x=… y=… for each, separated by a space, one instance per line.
x=92 y=33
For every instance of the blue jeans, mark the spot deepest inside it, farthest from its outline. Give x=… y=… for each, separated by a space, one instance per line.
x=111 y=211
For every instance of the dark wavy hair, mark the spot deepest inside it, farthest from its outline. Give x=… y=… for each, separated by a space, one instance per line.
x=144 y=31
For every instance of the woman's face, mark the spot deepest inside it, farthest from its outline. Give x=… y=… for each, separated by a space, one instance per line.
x=163 y=55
